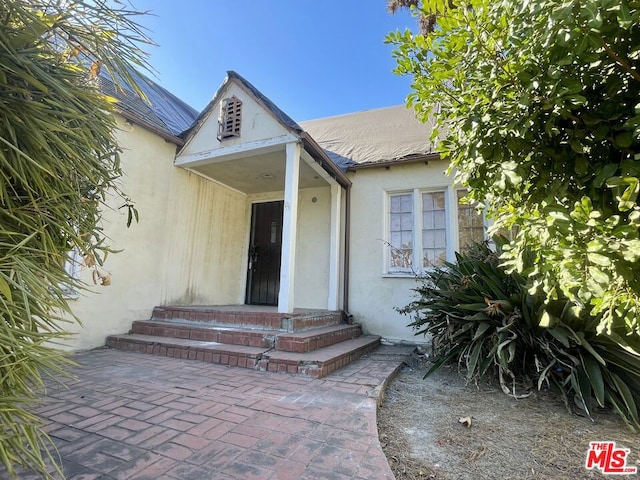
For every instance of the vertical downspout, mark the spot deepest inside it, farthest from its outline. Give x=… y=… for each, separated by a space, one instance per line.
x=347 y=240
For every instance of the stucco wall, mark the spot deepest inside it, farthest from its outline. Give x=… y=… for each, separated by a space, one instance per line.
x=187 y=248
x=312 y=255
x=372 y=294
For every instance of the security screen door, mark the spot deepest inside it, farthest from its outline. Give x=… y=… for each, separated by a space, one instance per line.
x=265 y=249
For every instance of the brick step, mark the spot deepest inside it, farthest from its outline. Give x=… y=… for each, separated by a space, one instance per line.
x=319 y=363
x=314 y=339
x=299 y=342
x=197 y=331
x=242 y=317
x=316 y=364
x=211 y=352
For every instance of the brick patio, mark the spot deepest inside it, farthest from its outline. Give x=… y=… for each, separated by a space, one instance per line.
x=131 y=416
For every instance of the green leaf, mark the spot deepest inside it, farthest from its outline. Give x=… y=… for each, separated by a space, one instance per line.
x=561 y=334
x=482 y=328
x=5 y=289
x=472 y=363
x=627 y=397
x=593 y=371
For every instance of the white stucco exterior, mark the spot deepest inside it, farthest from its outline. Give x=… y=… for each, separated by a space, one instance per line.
x=374 y=294
x=188 y=247
x=191 y=246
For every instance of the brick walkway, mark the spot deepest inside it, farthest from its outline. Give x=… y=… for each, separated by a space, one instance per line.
x=132 y=416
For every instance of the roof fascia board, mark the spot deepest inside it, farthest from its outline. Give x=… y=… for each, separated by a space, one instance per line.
x=266 y=108
x=316 y=167
x=236 y=151
x=401 y=161
x=319 y=155
x=206 y=112
x=135 y=119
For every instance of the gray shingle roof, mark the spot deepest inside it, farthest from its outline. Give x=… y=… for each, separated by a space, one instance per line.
x=161 y=109
x=374 y=136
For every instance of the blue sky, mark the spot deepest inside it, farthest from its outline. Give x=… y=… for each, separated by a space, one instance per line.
x=312 y=58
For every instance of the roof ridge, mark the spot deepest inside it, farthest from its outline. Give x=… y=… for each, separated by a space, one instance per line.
x=349 y=114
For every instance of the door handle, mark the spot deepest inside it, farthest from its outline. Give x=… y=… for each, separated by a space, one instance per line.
x=253 y=256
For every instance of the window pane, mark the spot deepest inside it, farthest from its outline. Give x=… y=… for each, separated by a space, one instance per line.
x=438 y=200
x=401 y=231
x=427 y=238
x=434 y=229
x=470 y=223
x=407 y=203
x=407 y=240
x=396 y=239
x=427 y=202
x=439 y=240
x=395 y=222
x=406 y=221
x=394 y=204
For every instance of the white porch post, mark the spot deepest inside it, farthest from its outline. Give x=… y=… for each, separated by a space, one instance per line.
x=289 y=228
x=334 y=248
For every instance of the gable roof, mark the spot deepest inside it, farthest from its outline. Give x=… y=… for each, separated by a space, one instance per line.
x=162 y=112
x=282 y=118
x=369 y=138
x=232 y=77
x=373 y=137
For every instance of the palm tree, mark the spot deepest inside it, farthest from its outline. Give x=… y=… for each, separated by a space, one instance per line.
x=58 y=160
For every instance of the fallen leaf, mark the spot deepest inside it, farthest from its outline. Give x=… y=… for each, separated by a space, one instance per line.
x=465 y=421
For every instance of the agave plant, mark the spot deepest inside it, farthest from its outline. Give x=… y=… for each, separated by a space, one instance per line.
x=58 y=161
x=489 y=323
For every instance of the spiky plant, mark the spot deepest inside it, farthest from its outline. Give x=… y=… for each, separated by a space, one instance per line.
x=490 y=324
x=58 y=160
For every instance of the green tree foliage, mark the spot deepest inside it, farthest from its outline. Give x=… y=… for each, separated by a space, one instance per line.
x=58 y=162
x=538 y=101
x=486 y=320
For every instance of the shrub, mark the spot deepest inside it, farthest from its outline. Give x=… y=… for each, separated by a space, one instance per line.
x=59 y=161
x=488 y=322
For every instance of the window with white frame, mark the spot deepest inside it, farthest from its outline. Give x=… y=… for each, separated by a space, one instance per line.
x=434 y=229
x=72 y=266
x=425 y=231
x=471 y=227
x=401 y=232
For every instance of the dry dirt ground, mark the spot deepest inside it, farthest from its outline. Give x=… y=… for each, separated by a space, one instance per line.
x=532 y=438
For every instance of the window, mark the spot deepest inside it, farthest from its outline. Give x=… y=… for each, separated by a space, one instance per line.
x=470 y=224
x=424 y=231
x=72 y=267
x=230 y=118
x=434 y=229
x=401 y=232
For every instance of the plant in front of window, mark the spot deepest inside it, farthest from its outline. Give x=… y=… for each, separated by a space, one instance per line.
x=485 y=320
x=401 y=257
x=56 y=137
x=540 y=104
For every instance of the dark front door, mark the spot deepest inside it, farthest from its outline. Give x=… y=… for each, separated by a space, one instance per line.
x=265 y=248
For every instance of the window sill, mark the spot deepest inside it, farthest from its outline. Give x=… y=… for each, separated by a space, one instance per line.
x=399 y=275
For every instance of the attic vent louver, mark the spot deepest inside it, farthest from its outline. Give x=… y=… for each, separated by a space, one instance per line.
x=230 y=118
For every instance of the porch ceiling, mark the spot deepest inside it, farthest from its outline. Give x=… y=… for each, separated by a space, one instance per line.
x=258 y=173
